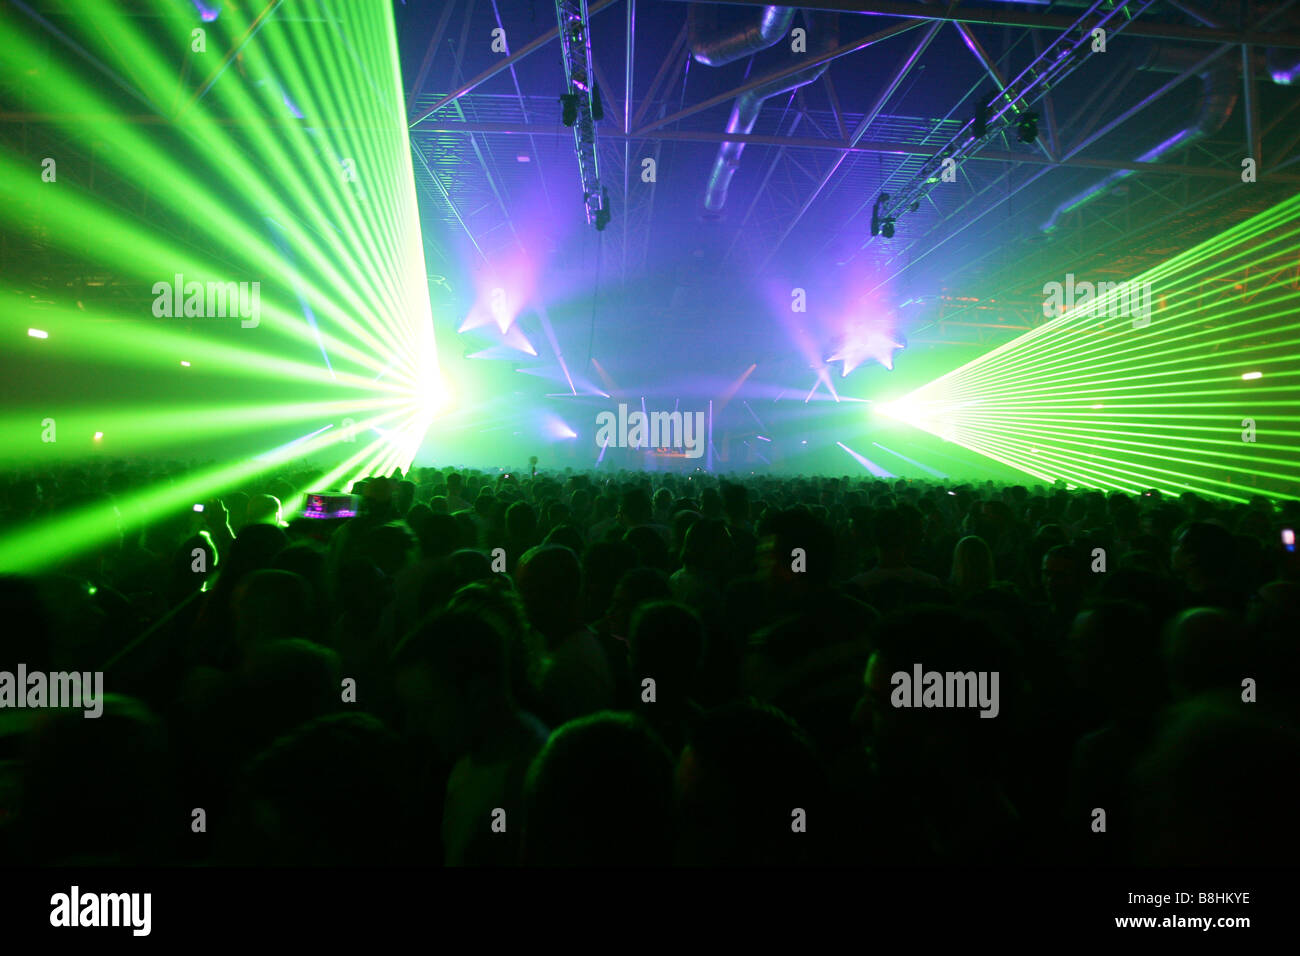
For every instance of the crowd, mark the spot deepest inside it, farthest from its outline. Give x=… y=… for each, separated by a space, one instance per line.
x=588 y=668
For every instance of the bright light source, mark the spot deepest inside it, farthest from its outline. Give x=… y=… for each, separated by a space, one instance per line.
x=1251 y=375
x=38 y=334
x=524 y=158
x=432 y=395
x=99 y=436
x=186 y=364
x=557 y=429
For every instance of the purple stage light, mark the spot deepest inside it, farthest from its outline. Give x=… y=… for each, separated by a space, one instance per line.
x=866 y=463
x=556 y=429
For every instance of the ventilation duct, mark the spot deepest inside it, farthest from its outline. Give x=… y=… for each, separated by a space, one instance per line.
x=825 y=29
x=1220 y=85
x=714 y=48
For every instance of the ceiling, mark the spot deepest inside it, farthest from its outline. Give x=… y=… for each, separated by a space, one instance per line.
x=499 y=188
x=497 y=169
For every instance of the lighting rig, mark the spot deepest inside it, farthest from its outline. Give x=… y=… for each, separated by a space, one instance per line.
x=581 y=104
x=1011 y=107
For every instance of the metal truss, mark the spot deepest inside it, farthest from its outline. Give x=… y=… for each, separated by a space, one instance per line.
x=581 y=102
x=1061 y=58
x=1255 y=35
x=829 y=161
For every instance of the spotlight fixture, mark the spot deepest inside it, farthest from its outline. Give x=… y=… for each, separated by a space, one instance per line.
x=876 y=220
x=569 y=103
x=887 y=228
x=603 y=214
x=597 y=105
x=1027 y=129
x=1000 y=109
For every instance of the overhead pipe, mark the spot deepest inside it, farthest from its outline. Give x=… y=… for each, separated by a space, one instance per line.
x=825 y=28
x=1220 y=83
x=714 y=48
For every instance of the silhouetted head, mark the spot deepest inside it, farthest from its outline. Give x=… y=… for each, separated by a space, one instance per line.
x=600 y=794
x=390 y=547
x=1186 y=814
x=521 y=522
x=735 y=502
x=378 y=492
x=567 y=536
x=286 y=682
x=1114 y=652
x=550 y=580
x=634 y=508
x=603 y=564
x=299 y=808
x=1204 y=650
x=254 y=548
x=797 y=550
x=1204 y=555
x=452 y=671
x=744 y=774
x=915 y=739
x=665 y=644
x=972 y=565
x=1063 y=577
x=708 y=547
x=125 y=752
x=404 y=496
x=651 y=550
x=271 y=604
x=634 y=588
x=264 y=509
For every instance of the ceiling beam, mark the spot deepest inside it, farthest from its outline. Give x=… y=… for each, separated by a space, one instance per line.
x=991 y=68
x=898 y=149
x=430 y=52
x=799 y=67
x=669 y=65
x=1040 y=21
x=249 y=32
x=886 y=93
x=504 y=65
x=688 y=136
